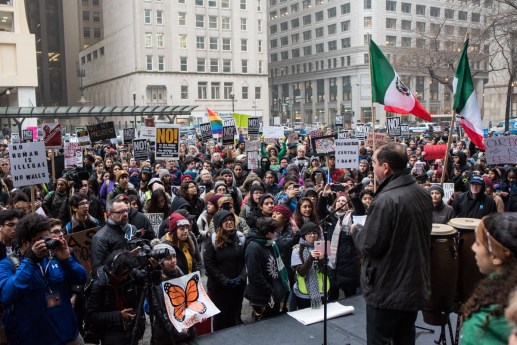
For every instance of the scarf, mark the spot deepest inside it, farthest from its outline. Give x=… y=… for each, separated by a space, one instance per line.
x=311 y=279
x=342 y=224
x=282 y=271
x=127 y=228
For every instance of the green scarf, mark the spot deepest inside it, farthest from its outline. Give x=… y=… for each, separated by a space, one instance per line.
x=276 y=253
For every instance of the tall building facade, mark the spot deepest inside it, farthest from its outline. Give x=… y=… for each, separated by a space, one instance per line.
x=318 y=54
x=210 y=53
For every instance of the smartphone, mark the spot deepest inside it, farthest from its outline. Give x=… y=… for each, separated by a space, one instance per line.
x=318 y=245
x=336 y=187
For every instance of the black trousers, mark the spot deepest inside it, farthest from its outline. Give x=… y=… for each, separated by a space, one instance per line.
x=229 y=302
x=390 y=327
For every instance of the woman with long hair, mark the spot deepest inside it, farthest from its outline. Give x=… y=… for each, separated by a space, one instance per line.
x=159 y=203
x=107 y=186
x=252 y=203
x=266 y=202
x=226 y=203
x=225 y=269
x=495 y=250
x=204 y=220
x=305 y=212
x=189 y=190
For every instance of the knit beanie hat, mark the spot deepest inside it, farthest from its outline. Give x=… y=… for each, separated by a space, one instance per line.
x=219 y=216
x=438 y=188
x=308 y=227
x=162 y=173
x=186 y=177
x=219 y=184
x=214 y=199
x=176 y=220
x=165 y=246
x=119 y=174
x=225 y=171
x=284 y=211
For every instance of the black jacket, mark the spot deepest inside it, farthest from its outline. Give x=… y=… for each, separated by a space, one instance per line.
x=285 y=241
x=465 y=205
x=140 y=221
x=395 y=244
x=181 y=259
x=442 y=214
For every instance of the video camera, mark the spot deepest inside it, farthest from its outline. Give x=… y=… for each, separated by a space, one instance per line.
x=146 y=252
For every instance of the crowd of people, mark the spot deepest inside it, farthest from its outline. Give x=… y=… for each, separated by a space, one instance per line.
x=254 y=234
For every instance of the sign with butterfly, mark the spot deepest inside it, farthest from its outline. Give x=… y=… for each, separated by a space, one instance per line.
x=187 y=302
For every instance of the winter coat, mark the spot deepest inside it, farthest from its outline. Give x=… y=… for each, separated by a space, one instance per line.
x=141 y=222
x=442 y=214
x=118 y=190
x=75 y=226
x=104 y=191
x=181 y=259
x=466 y=206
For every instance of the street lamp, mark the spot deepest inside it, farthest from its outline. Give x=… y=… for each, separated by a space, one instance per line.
x=232 y=96
x=134 y=105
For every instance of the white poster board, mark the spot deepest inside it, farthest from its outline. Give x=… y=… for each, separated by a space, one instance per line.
x=448 y=189
x=271 y=132
x=148 y=133
x=501 y=150
x=28 y=164
x=156 y=220
x=347 y=153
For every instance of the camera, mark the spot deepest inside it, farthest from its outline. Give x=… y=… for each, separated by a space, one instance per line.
x=146 y=252
x=51 y=243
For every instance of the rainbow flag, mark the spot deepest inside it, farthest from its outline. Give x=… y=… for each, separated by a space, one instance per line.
x=215 y=122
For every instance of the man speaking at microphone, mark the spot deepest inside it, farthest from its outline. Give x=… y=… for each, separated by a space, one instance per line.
x=394 y=242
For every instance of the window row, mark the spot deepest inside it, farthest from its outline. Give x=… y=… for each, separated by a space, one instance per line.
x=87 y=32
x=215 y=91
x=92 y=56
x=214 y=22
x=96 y=16
x=148 y=17
x=318 y=16
x=306 y=36
x=204 y=65
x=295 y=23
x=243 y=5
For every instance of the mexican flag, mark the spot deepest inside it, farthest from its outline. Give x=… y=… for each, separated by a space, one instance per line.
x=388 y=89
x=465 y=101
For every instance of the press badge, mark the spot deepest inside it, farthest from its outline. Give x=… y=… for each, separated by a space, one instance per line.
x=53 y=299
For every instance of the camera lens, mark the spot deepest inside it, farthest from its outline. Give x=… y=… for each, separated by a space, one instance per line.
x=51 y=243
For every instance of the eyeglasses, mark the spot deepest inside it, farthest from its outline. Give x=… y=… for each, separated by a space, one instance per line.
x=120 y=212
x=312 y=234
x=83 y=203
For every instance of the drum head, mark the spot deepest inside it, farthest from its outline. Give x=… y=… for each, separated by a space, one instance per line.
x=442 y=229
x=465 y=223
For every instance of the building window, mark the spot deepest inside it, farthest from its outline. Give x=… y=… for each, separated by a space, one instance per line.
x=434 y=12
x=367 y=4
x=319 y=32
x=243 y=5
x=95 y=2
x=227 y=90
x=200 y=42
x=257 y=92
x=200 y=21
x=86 y=3
x=148 y=40
x=345 y=42
x=420 y=10
x=201 y=65
x=149 y=62
x=214 y=65
x=97 y=32
x=420 y=43
x=406 y=25
x=86 y=16
x=332 y=45
x=307 y=35
x=475 y=17
x=331 y=12
x=159 y=17
x=96 y=17
x=320 y=48
x=284 y=26
x=295 y=23
x=405 y=7
x=307 y=51
x=86 y=32
x=391 y=23
x=244 y=92
x=244 y=45
x=212 y=3
x=214 y=43
x=225 y=3
x=161 y=64
x=159 y=40
x=449 y=14
x=367 y=22
x=182 y=18
x=391 y=6
x=260 y=67
x=201 y=90
x=200 y=2
x=244 y=64
x=225 y=23
x=318 y=16
x=345 y=26
x=212 y=22
x=227 y=44
x=295 y=38
x=345 y=8
x=391 y=41
x=284 y=55
x=183 y=64
x=183 y=41
x=182 y=2
x=306 y=19
x=406 y=42
x=331 y=29
x=227 y=66
x=147 y=16
x=244 y=24
x=284 y=41
x=259 y=46
x=420 y=27
x=184 y=91
x=215 y=90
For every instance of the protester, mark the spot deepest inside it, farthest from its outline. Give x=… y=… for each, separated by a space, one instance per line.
x=474 y=203
x=8 y=221
x=81 y=218
x=442 y=213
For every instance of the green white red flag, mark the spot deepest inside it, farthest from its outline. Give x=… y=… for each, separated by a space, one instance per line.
x=388 y=89
x=465 y=101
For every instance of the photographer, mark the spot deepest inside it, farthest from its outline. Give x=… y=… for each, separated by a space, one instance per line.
x=35 y=287
x=113 y=300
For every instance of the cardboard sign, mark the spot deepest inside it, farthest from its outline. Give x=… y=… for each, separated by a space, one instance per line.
x=167 y=142
x=252 y=146
x=228 y=135
x=129 y=134
x=253 y=126
x=27 y=135
x=393 y=125
x=81 y=242
x=379 y=140
x=176 y=293
x=73 y=154
x=433 y=152
x=15 y=138
x=404 y=131
x=102 y=131
x=83 y=138
x=347 y=153
x=156 y=220
x=148 y=133
x=448 y=189
x=28 y=164
x=323 y=145
x=206 y=131
x=316 y=133
x=271 y=132
x=139 y=149
x=253 y=160
x=501 y=150
x=52 y=135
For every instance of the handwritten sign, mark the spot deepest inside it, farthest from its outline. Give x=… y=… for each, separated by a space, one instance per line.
x=15 y=138
x=433 y=152
x=271 y=132
x=347 y=153
x=501 y=150
x=322 y=145
x=140 y=149
x=448 y=189
x=253 y=145
x=404 y=131
x=81 y=242
x=102 y=131
x=83 y=138
x=379 y=139
x=393 y=124
x=148 y=133
x=52 y=135
x=253 y=160
x=155 y=219
x=28 y=164
x=167 y=142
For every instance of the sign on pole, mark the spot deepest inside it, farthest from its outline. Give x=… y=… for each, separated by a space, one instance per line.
x=393 y=124
x=167 y=142
x=15 y=138
x=27 y=135
x=156 y=220
x=52 y=135
x=206 y=131
x=129 y=134
x=139 y=149
x=102 y=131
x=339 y=121
x=323 y=145
x=501 y=150
x=28 y=164
x=347 y=153
x=404 y=131
x=253 y=126
x=228 y=135
x=73 y=154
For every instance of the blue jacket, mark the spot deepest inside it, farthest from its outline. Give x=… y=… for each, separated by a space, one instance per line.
x=23 y=292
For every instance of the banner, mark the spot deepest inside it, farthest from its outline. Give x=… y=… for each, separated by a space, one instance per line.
x=228 y=135
x=102 y=131
x=206 y=132
x=186 y=301
x=393 y=125
x=140 y=149
x=347 y=153
x=156 y=220
x=323 y=145
x=241 y=120
x=27 y=135
x=501 y=150
x=433 y=152
x=81 y=242
x=52 y=135
x=83 y=138
x=167 y=142
x=129 y=134
x=73 y=154
x=253 y=126
x=28 y=164
x=148 y=133
x=380 y=139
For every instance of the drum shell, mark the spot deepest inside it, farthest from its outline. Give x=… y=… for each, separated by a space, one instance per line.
x=444 y=278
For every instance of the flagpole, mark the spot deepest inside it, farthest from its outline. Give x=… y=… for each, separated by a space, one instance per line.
x=373 y=110
x=449 y=139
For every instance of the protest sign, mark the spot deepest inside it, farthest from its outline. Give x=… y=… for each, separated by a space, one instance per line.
x=393 y=125
x=253 y=145
x=83 y=138
x=102 y=131
x=15 y=138
x=448 y=189
x=191 y=138
x=339 y=120
x=404 y=131
x=379 y=140
x=501 y=150
x=361 y=130
x=140 y=149
x=73 y=154
x=52 y=135
x=149 y=121
x=148 y=133
x=156 y=220
x=186 y=301
x=293 y=138
x=419 y=167
x=323 y=145
x=271 y=132
x=253 y=159
x=347 y=153
x=28 y=164
x=228 y=135
x=206 y=131
x=167 y=142
x=343 y=135
x=229 y=123
x=27 y=135
x=129 y=134
x=433 y=152
x=253 y=126
x=81 y=242
x=316 y=133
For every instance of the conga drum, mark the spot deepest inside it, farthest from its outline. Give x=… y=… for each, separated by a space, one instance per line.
x=444 y=275
x=469 y=273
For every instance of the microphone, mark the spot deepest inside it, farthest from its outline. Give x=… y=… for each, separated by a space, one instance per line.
x=360 y=186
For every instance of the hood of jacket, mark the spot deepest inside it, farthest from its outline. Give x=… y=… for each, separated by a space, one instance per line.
x=180 y=202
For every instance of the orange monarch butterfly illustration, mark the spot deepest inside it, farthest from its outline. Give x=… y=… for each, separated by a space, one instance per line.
x=181 y=299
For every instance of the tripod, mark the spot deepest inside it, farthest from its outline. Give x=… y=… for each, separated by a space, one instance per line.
x=150 y=292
